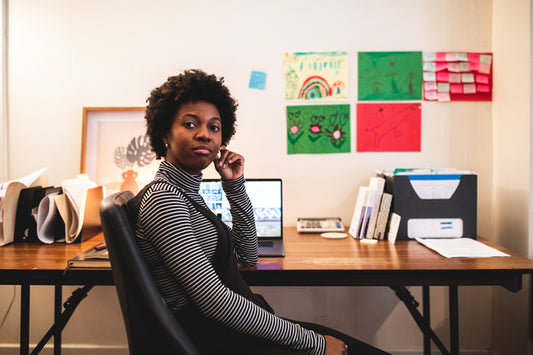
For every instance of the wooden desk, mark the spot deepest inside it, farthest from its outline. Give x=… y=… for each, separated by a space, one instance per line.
x=310 y=261
x=315 y=261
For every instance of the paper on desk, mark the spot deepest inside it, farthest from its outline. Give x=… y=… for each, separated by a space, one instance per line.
x=46 y=217
x=9 y=196
x=78 y=206
x=460 y=247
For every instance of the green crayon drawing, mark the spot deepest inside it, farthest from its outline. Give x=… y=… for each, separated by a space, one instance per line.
x=390 y=76
x=318 y=129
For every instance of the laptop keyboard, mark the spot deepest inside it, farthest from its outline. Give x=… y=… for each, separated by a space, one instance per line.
x=266 y=243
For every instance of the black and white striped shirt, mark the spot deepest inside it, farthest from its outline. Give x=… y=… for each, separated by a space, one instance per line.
x=179 y=243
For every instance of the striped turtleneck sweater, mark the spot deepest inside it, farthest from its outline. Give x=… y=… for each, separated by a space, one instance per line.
x=178 y=243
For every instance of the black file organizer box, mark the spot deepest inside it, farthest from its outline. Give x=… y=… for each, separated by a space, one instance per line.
x=406 y=203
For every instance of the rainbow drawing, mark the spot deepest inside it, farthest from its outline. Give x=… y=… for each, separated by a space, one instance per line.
x=315 y=87
x=309 y=75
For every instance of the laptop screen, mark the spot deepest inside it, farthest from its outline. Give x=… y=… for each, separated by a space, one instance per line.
x=266 y=198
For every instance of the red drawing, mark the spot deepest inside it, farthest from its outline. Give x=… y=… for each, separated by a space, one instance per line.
x=385 y=127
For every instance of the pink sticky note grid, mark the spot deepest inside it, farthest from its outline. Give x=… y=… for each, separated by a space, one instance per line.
x=451 y=67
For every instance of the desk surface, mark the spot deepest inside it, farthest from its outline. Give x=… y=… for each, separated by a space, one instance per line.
x=310 y=260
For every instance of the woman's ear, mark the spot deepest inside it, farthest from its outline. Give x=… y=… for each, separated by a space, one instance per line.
x=164 y=138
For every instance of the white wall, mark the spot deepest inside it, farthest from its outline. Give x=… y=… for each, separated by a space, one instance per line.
x=65 y=55
x=511 y=170
x=3 y=92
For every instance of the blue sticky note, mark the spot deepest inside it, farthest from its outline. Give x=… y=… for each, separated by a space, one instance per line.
x=258 y=80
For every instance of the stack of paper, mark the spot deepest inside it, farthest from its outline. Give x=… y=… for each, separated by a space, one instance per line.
x=460 y=247
x=78 y=206
x=9 y=196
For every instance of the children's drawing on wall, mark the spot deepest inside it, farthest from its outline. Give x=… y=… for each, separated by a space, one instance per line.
x=316 y=75
x=456 y=76
x=317 y=129
x=388 y=127
x=389 y=76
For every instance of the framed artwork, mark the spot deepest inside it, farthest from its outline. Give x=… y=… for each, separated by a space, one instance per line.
x=115 y=151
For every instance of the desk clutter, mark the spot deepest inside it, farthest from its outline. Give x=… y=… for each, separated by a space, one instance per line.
x=437 y=207
x=96 y=256
x=30 y=210
x=416 y=203
x=319 y=225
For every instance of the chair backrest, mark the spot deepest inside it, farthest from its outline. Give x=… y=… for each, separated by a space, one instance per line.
x=150 y=325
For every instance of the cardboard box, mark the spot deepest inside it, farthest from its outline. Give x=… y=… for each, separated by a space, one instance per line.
x=434 y=205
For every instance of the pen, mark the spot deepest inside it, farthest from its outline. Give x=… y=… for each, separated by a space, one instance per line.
x=100 y=246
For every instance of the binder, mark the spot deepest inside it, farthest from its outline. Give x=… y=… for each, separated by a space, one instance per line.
x=29 y=199
x=459 y=210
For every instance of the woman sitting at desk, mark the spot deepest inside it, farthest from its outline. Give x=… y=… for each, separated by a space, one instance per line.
x=192 y=254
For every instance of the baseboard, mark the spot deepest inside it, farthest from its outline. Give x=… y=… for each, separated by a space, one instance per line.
x=91 y=349
x=70 y=349
x=436 y=351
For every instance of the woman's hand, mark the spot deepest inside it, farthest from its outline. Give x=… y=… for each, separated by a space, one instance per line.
x=335 y=346
x=230 y=165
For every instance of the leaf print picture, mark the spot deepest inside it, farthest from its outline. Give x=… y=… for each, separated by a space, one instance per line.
x=116 y=153
x=137 y=153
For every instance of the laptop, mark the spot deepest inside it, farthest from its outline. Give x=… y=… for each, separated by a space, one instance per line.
x=266 y=198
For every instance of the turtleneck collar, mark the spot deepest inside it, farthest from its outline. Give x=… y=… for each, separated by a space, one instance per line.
x=178 y=176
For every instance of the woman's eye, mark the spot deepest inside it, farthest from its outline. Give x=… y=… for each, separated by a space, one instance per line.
x=189 y=124
x=215 y=128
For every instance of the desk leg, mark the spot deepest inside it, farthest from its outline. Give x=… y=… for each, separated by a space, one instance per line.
x=24 y=319
x=454 y=320
x=58 y=308
x=426 y=314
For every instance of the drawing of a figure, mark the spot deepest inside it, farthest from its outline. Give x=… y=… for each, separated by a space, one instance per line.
x=388 y=127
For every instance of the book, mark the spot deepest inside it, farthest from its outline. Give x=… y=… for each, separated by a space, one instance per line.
x=383 y=216
x=378 y=185
x=359 y=212
x=9 y=197
x=96 y=257
x=369 y=207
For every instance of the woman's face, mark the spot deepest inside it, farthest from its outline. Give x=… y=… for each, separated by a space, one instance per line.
x=194 y=137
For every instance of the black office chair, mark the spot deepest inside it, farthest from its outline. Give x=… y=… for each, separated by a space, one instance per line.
x=150 y=325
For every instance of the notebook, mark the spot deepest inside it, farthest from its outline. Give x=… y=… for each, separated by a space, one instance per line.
x=266 y=198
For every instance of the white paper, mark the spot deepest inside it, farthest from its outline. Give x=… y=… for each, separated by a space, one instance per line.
x=460 y=248
x=75 y=191
x=46 y=217
x=9 y=196
x=26 y=181
x=435 y=189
